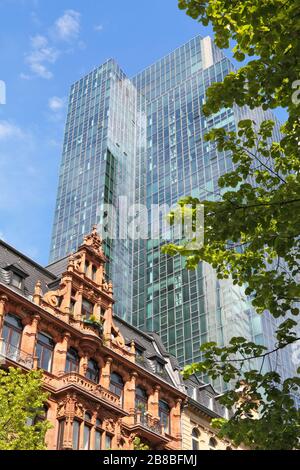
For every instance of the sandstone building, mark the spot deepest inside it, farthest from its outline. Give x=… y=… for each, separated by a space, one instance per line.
x=108 y=381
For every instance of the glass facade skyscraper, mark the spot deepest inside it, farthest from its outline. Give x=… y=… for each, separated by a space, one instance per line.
x=143 y=138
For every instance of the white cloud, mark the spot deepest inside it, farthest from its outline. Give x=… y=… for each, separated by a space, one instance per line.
x=98 y=27
x=44 y=50
x=67 y=27
x=25 y=76
x=39 y=41
x=56 y=104
x=9 y=130
x=40 y=56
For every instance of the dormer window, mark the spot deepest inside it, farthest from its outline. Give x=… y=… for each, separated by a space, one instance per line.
x=158 y=363
x=17 y=276
x=159 y=367
x=17 y=280
x=139 y=354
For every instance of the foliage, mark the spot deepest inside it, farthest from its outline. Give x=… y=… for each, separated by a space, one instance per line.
x=140 y=445
x=21 y=403
x=252 y=229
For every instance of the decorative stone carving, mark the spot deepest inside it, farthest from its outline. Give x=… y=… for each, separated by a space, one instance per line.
x=109 y=425
x=94 y=241
x=52 y=297
x=78 y=410
x=118 y=337
x=78 y=262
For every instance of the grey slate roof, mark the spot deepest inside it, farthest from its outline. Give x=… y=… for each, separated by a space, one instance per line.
x=59 y=266
x=147 y=341
x=204 y=397
x=10 y=256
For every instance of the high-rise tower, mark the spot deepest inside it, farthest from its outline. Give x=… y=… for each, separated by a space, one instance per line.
x=143 y=138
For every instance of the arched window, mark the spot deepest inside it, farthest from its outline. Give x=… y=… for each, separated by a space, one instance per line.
x=12 y=333
x=92 y=372
x=141 y=400
x=44 y=351
x=212 y=443
x=164 y=414
x=195 y=439
x=72 y=361
x=116 y=384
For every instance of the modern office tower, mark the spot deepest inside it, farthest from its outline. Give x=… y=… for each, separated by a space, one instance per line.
x=98 y=166
x=143 y=138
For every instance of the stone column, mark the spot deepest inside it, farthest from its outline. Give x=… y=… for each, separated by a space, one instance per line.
x=129 y=397
x=78 y=304
x=105 y=376
x=153 y=406
x=83 y=364
x=68 y=434
x=60 y=354
x=38 y=294
x=29 y=336
x=66 y=301
x=3 y=302
x=99 y=275
x=97 y=311
x=107 y=323
x=175 y=419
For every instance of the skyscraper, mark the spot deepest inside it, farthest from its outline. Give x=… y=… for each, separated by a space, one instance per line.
x=97 y=166
x=143 y=138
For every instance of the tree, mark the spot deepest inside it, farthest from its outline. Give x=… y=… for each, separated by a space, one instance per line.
x=139 y=444
x=22 y=424
x=252 y=230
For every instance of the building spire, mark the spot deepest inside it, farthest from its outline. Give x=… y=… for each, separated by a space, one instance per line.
x=94 y=241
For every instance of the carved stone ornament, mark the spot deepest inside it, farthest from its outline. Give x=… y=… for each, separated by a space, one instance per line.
x=94 y=241
x=77 y=260
x=52 y=297
x=109 y=425
x=78 y=410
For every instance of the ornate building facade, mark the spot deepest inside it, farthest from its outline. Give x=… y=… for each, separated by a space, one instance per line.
x=108 y=382
x=201 y=406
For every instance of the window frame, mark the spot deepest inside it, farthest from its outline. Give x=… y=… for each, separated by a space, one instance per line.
x=95 y=372
x=69 y=361
x=164 y=411
x=44 y=346
x=12 y=328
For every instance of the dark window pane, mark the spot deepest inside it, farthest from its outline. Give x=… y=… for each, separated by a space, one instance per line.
x=86 y=437
x=61 y=430
x=76 y=429
x=72 y=362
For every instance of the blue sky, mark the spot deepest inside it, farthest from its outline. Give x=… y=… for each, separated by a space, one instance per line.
x=44 y=47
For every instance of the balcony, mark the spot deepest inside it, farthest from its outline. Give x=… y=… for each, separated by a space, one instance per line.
x=147 y=427
x=74 y=380
x=11 y=353
x=148 y=422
